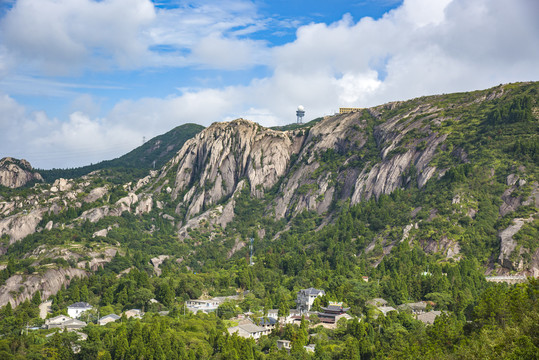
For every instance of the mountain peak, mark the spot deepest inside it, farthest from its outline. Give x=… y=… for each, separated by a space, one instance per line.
x=15 y=173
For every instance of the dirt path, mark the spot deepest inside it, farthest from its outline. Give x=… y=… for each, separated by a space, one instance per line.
x=44 y=309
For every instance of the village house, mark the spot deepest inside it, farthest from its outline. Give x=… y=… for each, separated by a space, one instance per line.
x=107 y=319
x=284 y=344
x=287 y=345
x=429 y=317
x=206 y=306
x=333 y=313
x=63 y=322
x=56 y=321
x=376 y=302
x=134 y=313
x=274 y=313
x=385 y=309
x=293 y=317
x=416 y=308
x=248 y=329
x=306 y=297
x=266 y=322
x=75 y=310
x=73 y=324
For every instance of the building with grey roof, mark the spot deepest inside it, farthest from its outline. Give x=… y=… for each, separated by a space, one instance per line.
x=306 y=297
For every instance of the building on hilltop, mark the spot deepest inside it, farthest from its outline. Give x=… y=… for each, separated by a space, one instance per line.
x=348 y=110
x=306 y=298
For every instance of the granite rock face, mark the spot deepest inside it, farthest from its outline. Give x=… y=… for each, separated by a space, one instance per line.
x=16 y=173
x=211 y=164
x=19 y=288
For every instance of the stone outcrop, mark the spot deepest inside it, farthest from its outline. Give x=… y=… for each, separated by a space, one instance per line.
x=19 y=288
x=157 y=261
x=123 y=204
x=16 y=173
x=508 y=246
x=20 y=225
x=212 y=163
x=389 y=174
x=95 y=194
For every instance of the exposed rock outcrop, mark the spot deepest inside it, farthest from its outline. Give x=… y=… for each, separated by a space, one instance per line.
x=157 y=261
x=19 y=288
x=16 y=173
x=508 y=246
x=20 y=225
x=212 y=163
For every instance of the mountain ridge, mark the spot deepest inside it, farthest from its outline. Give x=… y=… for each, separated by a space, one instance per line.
x=450 y=194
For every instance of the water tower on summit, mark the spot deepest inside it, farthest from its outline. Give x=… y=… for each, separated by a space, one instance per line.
x=300 y=113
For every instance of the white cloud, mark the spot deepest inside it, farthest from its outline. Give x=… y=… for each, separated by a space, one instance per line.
x=420 y=48
x=60 y=36
x=216 y=51
x=68 y=36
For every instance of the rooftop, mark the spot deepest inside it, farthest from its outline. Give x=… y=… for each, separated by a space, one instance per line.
x=110 y=316
x=313 y=291
x=79 y=305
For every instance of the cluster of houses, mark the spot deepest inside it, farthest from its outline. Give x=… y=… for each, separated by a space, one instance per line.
x=421 y=310
x=256 y=327
x=75 y=311
x=329 y=316
x=250 y=327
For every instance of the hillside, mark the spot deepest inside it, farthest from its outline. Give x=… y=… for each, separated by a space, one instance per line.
x=152 y=154
x=424 y=197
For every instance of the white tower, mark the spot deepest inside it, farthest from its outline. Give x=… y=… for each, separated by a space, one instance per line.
x=300 y=113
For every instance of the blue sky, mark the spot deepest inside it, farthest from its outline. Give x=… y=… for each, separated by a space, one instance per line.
x=84 y=80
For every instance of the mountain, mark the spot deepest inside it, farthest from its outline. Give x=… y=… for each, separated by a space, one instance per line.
x=152 y=154
x=455 y=175
x=411 y=201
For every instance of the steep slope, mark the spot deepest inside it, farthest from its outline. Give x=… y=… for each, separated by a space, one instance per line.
x=349 y=158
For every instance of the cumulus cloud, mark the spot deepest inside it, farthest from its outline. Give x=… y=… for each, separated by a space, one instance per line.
x=423 y=47
x=67 y=36
x=48 y=142
x=59 y=36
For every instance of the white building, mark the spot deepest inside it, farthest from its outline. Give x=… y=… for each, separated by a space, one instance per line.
x=63 y=322
x=206 y=306
x=75 y=310
x=306 y=298
x=134 y=313
x=249 y=330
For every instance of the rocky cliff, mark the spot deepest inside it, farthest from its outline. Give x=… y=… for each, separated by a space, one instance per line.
x=16 y=173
